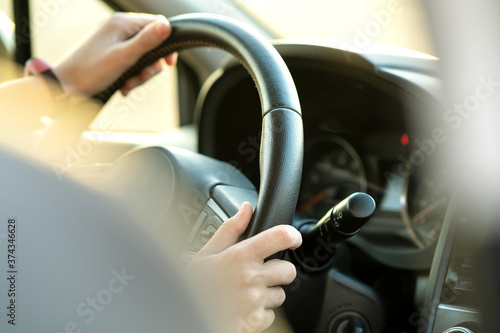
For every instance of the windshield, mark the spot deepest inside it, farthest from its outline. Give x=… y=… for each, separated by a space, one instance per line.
x=363 y=22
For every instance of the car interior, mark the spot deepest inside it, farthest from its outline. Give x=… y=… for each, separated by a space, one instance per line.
x=384 y=158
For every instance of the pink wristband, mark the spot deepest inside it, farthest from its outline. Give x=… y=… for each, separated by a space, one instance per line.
x=37 y=66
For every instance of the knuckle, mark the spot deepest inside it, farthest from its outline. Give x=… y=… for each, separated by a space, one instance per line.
x=261 y=319
x=253 y=297
x=240 y=254
x=248 y=277
x=287 y=235
x=284 y=235
x=232 y=228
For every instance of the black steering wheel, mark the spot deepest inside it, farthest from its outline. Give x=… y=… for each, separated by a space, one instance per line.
x=281 y=153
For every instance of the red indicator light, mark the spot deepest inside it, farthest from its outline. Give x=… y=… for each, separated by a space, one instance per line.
x=404 y=139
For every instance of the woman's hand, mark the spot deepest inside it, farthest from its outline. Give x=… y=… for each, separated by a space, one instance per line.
x=240 y=288
x=99 y=60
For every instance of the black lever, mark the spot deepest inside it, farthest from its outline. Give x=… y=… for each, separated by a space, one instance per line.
x=320 y=240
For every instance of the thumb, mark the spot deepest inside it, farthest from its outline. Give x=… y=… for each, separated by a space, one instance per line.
x=229 y=232
x=149 y=37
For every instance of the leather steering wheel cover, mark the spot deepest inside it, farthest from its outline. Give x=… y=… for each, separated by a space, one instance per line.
x=281 y=153
x=280 y=163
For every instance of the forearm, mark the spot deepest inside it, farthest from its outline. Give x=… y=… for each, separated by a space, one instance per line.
x=24 y=102
x=35 y=123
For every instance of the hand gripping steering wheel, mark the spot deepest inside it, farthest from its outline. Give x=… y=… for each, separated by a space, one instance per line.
x=281 y=152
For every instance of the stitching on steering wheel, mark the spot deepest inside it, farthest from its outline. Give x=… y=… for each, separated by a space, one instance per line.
x=148 y=59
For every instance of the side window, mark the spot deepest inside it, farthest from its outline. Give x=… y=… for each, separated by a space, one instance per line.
x=58 y=25
x=152 y=107
x=8 y=70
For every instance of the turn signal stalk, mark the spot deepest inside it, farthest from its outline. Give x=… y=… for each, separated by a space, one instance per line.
x=320 y=240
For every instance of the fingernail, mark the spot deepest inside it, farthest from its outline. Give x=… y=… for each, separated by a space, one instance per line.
x=172 y=59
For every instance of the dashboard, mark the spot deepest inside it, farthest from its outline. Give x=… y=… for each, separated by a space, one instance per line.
x=365 y=129
x=372 y=123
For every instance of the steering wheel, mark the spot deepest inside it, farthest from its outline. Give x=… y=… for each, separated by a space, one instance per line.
x=281 y=152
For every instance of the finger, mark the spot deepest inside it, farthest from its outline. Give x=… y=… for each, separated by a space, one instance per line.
x=229 y=232
x=172 y=59
x=151 y=36
x=275 y=297
x=129 y=24
x=278 y=272
x=141 y=19
x=159 y=64
x=259 y=320
x=273 y=240
x=152 y=70
x=130 y=84
x=143 y=76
